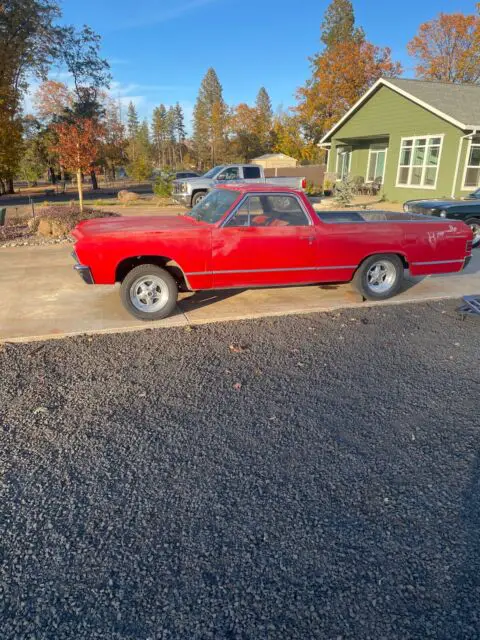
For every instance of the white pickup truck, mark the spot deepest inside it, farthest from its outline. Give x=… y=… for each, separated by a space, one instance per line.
x=190 y=191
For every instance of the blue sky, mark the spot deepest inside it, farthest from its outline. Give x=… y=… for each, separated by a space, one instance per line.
x=159 y=50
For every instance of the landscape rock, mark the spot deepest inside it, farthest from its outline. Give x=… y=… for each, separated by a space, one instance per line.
x=126 y=196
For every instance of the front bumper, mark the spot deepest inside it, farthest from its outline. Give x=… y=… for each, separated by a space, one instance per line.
x=182 y=198
x=82 y=270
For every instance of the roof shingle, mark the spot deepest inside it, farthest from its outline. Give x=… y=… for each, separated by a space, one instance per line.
x=459 y=101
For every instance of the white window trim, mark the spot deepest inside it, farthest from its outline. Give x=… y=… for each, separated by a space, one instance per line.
x=467 y=158
x=414 y=138
x=341 y=150
x=370 y=151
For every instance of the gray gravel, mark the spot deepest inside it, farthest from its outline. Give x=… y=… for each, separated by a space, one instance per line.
x=304 y=477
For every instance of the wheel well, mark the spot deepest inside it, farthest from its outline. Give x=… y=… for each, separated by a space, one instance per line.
x=391 y=253
x=125 y=266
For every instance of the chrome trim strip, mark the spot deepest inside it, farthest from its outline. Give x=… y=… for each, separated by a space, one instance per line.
x=426 y=219
x=437 y=262
x=215 y=273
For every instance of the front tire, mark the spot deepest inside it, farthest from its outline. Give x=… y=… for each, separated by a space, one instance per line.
x=149 y=292
x=379 y=277
x=474 y=225
x=198 y=197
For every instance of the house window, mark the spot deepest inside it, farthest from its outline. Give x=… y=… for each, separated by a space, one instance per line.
x=344 y=162
x=419 y=162
x=376 y=163
x=472 y=174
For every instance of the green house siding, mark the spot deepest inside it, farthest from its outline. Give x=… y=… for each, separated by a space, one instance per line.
x=389 y=115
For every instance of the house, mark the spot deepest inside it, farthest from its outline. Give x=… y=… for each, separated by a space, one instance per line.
x=275 y=161
x=419 y=139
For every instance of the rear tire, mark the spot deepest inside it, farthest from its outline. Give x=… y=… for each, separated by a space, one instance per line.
x=379 y=277
x=198 y=197
x=474 y=224
x=149 y=292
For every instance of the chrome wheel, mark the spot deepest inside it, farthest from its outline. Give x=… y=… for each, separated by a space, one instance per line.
x=381 y=276
x=475 y=227
x=149 y=294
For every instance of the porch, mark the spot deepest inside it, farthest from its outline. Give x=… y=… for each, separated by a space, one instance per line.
x=364 y=160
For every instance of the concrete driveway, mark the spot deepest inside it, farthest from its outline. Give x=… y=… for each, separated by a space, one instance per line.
x=42 y=297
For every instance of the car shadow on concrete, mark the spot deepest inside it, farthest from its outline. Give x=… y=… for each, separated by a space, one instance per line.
x=201 y=299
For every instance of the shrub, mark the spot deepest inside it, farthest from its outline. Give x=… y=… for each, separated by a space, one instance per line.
x=345 y=191
x=311 y=188
x=60 y=220
x=163 y=186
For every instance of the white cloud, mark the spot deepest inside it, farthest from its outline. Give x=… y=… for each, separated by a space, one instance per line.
x=120 y=89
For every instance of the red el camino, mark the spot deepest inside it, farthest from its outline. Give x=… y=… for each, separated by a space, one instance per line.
x=262 y=236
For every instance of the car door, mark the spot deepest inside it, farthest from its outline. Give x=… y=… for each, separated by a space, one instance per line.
x=269 y=239
x=230 y=174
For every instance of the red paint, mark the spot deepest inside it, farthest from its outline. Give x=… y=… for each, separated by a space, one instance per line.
x=268 y=256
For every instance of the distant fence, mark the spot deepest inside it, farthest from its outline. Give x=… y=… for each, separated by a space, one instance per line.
x=312 y=172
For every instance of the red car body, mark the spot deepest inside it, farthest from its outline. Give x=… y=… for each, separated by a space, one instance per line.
x=213 y=256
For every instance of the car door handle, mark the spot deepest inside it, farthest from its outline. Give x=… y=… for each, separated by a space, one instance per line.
x=309 y=239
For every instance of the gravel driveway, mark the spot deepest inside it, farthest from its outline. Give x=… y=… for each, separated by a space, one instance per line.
x=302 y=477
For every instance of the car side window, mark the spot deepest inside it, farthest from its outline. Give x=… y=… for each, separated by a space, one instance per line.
x=229 y=174
x=251 y=173
x=269 y=211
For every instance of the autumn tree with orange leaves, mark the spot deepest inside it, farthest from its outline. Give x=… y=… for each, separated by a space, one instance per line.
x=52 y=99
x=346 y=68
x=447 y=49
x=77 y=147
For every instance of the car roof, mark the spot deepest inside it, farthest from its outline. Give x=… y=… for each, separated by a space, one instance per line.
x=256 y=188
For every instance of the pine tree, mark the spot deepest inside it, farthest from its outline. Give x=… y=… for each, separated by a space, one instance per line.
x=179 y=123
x=159 y=133
x=132 y=121
x=140 y=166
x=132 y=130
x=171 y=139
x=210 y=116
x=263 y=120
x=339 y=24
x=180 y=130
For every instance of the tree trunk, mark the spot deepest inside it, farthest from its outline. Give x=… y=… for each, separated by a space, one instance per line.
x=62 y=174
x=80 y=189
x=113 y=172
x=93 y=177
x=10 y=188
x=51 y=175
x=2 y=187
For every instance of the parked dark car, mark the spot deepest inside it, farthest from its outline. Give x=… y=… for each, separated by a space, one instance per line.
x=180 y=175
x=467 y=210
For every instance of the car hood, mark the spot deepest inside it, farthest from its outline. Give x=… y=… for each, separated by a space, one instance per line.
x=129 y=226
x=198 y=179
x=432 y=204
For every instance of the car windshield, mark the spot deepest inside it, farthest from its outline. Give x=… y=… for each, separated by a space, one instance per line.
x=475 y=195
x=214 y=206
x=213 y=172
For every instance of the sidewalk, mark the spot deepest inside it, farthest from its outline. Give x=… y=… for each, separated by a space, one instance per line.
x=42 y=297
